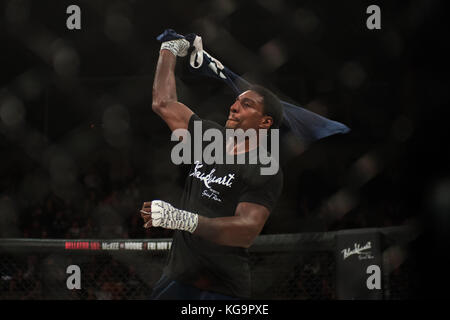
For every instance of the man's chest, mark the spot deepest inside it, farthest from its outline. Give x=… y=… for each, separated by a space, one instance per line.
x=216 y=184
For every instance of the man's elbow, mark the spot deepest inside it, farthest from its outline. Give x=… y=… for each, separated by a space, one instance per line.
x=247 y=242
x=250 y=233
x=159 y=105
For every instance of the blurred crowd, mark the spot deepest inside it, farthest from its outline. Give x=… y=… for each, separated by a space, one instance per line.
x=104 y=200
x=97 y=208
x=114 y=213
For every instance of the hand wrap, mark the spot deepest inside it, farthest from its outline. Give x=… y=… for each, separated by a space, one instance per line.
x=178 y=47
x=166 y=216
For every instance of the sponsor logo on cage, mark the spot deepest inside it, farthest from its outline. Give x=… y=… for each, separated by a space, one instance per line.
x=359 y=250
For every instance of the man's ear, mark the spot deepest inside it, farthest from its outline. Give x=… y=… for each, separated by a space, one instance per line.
x=266 y=122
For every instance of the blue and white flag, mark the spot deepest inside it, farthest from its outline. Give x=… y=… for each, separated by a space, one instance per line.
x=304 y=124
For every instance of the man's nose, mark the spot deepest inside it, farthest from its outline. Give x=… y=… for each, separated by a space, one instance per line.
x=235 y=107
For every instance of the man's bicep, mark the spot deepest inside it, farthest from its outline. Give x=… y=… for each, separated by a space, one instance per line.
x=176 y=115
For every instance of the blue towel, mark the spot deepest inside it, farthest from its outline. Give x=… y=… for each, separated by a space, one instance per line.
x=304 y=124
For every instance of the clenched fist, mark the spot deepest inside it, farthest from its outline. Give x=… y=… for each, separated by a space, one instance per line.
x=159 y=213
x=146 y=214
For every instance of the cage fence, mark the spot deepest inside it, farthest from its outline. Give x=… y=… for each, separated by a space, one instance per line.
x=283 y=267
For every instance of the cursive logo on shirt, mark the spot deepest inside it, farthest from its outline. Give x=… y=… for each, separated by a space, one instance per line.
x=210 y=178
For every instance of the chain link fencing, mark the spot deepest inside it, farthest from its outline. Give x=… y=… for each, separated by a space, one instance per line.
x=283 y=267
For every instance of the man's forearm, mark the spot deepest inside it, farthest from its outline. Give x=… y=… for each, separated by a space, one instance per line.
x=164 y=85
x=236 y=231
x=228 y=231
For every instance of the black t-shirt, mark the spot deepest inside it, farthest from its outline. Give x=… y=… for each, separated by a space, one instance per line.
x=215 y=191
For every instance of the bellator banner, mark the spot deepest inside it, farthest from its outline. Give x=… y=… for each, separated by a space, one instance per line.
x=359 y=265
x=118 y=245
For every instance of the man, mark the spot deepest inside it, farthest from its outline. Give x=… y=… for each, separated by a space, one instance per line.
x=224 y=206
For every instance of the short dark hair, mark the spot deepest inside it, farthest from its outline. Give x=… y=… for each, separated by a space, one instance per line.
x=272 y=105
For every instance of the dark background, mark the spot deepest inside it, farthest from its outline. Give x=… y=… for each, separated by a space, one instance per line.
x=81 y=149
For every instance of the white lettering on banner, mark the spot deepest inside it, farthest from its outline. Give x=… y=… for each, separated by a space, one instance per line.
x=163 y=245
x=360 y=251
x=110 y=246
x=159 y=245
x=133 y=245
